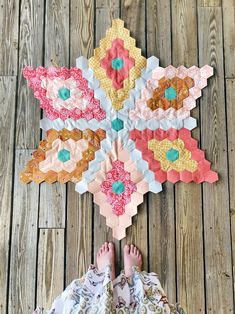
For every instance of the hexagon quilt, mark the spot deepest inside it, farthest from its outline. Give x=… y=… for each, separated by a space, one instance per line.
x=118 y=125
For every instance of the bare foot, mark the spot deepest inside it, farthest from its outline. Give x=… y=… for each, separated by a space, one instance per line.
x=106 y=256
x=132 y=257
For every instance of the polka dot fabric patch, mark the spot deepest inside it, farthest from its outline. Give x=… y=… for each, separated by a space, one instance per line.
x=118 y=125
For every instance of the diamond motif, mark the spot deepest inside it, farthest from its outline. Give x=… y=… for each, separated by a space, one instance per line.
x=169 y=93
x=118 y=187
x=47 y=165
x=156 y=145
x=117 y=63
x=64 y=93
x=117 y=44
x=118 y=208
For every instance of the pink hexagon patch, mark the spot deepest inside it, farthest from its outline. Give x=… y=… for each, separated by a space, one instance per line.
x=118 y=189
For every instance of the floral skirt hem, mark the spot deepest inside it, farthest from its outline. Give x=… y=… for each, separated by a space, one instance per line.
x=95 y=292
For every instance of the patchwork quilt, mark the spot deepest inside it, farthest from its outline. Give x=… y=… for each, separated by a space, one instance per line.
x=118 y=125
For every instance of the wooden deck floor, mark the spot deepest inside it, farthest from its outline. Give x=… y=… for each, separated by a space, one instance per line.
x=49 y=234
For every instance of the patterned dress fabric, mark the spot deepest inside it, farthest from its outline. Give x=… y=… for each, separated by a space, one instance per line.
x=96 y=293
x=118 y=125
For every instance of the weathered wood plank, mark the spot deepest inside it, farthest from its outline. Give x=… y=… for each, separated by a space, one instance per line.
x=25 y=205
x=161 y=206
x=57 y=32
x=133 y=13
x=79 y=207
x=7 y=120
x=79 y=234
x=158 y=30
x=53 y=196
x=30 y=53
x=217 y=235
x=188 y=198
x=189 y=247
x=52 y=205
x=161 y=249
x=9 y=17
x=230 y=100
x=184 y=35
x=81 y=29
x=210 y=3
x=50 y=270
x=105 y=12
x=229 y=37
x=24 y=241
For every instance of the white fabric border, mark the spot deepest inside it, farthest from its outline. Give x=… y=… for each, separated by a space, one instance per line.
x=101 y=155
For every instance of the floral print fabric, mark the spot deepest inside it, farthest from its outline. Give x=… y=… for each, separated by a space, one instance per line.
x=96 y=293
x=64 y=93
x=118 y=187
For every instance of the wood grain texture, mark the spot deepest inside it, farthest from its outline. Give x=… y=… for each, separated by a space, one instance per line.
x=79 y=207
x=7 y=120
x=105 y=12
x=81 y=29
x=30 y=53
x=230 y=100
x=52 y=210
x=229 y=37
x=52 y=205
x=198 y=271
x=184 y=37
x=9 y=17
x=50 y=268
x=215 y=196
x=23 y=242
x=57 y=32
x=188 y=198
x=161 y=250
x=133 y=13
x=25 y=204
x=210 y=3
x=79 y=234
x=161 y=220
x=158 y=28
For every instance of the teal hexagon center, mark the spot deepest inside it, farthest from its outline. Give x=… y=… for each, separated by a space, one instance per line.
x=172 y=154
x=64 y=155
x=117 y=124
x=118 y=187
x=170 y=93
x=117 y=63
x=64 y=93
